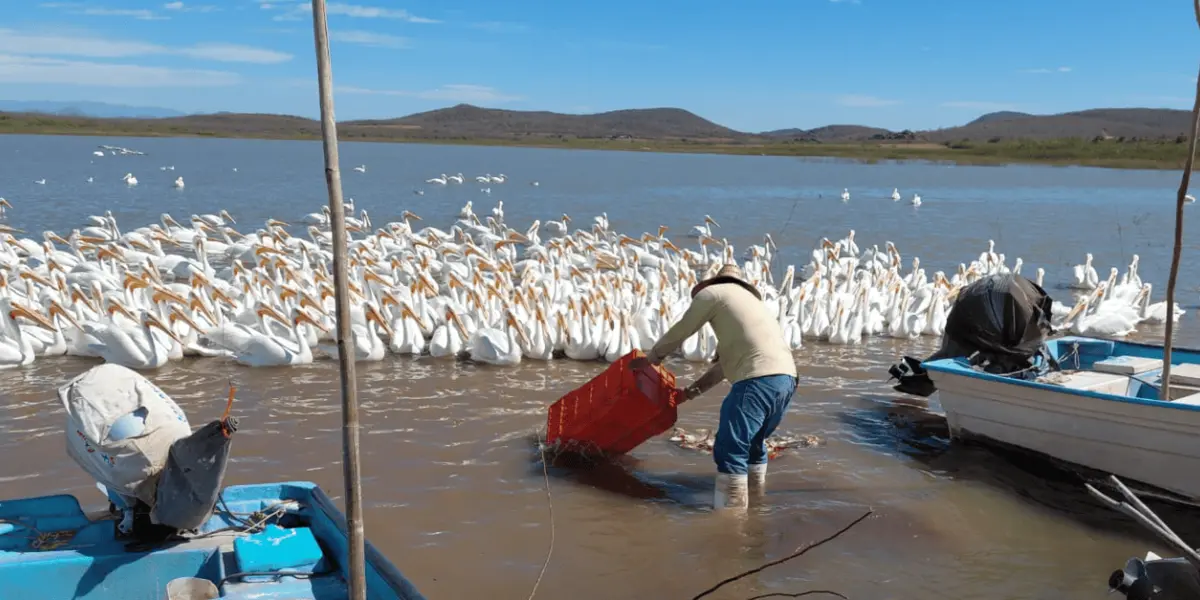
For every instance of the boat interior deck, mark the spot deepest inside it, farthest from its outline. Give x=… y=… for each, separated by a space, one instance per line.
x=50 y=549
x=1122 y=369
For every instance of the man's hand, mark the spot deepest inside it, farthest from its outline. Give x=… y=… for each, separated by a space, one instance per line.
x=688 y=392
x=639 y=363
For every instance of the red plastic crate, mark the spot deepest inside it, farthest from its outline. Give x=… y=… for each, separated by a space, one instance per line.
x=616 y=411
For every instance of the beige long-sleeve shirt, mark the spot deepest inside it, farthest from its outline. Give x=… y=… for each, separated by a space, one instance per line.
x=749 y=342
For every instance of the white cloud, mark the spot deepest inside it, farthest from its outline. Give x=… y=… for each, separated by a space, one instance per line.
x=982 y=106
x=28 y=69
x=77 y=8
x=299 y=11
x=369 y=38
x=1044 y=71
x=450 y=93
x=233 y=53
x=863 y=101
x=54 y=44
x=181 y=7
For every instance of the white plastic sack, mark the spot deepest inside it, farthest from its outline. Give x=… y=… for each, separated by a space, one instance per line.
x=98 y=398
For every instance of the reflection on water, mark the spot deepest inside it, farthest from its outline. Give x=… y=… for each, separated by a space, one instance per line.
x=453 y=483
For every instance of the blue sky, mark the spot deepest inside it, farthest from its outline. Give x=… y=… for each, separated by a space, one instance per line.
x=753 y=65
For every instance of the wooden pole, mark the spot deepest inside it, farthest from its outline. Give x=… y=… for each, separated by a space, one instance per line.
x=350 y=429
x=1180 y=202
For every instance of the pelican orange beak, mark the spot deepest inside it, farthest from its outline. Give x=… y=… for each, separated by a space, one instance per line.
x=711 y=221
x=225 y=214
x=26 y=274
x=197 y=305
x=287 y=292
x=153 y=321
x=303 y=317
x=116 y=307
x=276 y=223
x=4 y=202
x=57 y=309
x=57 y=238
x=512 y=321
x=179 y=315
x=410 y=215
x=10 y=229
x=21 y=311
x=261 y=250
x=269 y=312
x=373 y=315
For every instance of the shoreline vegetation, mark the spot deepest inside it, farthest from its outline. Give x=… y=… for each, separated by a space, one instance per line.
x=1099 y=151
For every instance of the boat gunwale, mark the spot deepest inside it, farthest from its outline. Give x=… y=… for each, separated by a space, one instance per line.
x=958 y=366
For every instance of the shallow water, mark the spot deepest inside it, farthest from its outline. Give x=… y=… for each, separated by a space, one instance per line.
x=453 y=484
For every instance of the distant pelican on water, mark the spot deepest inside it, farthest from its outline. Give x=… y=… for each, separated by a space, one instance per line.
x=845 y=194
x=916 y=200
x=438 y=180
x=178 y=183
x=361 y=168
x=130 y=179
x=895 y=194
x=41 y=181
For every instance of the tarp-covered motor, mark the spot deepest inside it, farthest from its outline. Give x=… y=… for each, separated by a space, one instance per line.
x=137 y=443
x=999 y=322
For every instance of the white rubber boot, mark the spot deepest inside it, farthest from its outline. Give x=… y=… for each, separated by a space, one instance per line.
x=730 y=491
x=758 y=480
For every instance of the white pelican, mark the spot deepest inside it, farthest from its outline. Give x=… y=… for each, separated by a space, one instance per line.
x=135 y=348
x=845 y=194
x=270 y=350
x=16 y=349
x=705 y=229
x=178 y=183
x=916 y=200
x=438 y=180
x=361 y=168
x=129 y=179
x=501 y=347
x=895 y=194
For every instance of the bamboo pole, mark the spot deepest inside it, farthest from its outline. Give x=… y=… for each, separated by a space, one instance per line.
x=1180 y=202
x=350 y=430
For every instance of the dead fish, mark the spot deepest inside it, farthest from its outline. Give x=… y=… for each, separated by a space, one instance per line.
x=703 y=440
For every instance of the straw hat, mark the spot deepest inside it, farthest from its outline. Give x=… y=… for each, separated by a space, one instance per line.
x=729 y=273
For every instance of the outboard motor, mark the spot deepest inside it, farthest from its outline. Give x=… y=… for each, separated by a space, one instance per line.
x=1157 y=579
x=1000 y=322
x=136 y=442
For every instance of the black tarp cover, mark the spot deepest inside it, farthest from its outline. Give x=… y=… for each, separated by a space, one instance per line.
x=1003 y=318
x=191 y=480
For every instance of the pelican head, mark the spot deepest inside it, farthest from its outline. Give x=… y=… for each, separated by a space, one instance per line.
x=149 y=320
x=17 y=310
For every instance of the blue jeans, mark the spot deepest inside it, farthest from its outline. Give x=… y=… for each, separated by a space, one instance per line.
x=750 y=414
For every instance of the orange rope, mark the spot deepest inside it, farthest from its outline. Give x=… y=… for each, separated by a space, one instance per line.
x=228 y=407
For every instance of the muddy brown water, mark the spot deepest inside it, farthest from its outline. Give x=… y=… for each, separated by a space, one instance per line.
x=452 y=480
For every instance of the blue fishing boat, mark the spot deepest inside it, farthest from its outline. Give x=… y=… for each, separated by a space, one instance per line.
x=279 y=540
x=1092 y=402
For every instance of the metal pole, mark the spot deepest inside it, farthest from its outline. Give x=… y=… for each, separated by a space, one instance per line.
x=1185 y=181
x=350 y=431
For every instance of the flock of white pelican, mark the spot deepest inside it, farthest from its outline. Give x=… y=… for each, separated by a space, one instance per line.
x=479 y=289
x=914 y=201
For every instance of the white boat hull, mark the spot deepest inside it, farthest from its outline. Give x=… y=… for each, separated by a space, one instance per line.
x=1150 y=442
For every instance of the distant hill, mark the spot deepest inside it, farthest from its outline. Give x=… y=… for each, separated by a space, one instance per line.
x=828 y=133
x=465 y=123
x=102 y=110
x=1004 y=115
x=469 y=121
x=1151 y=123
